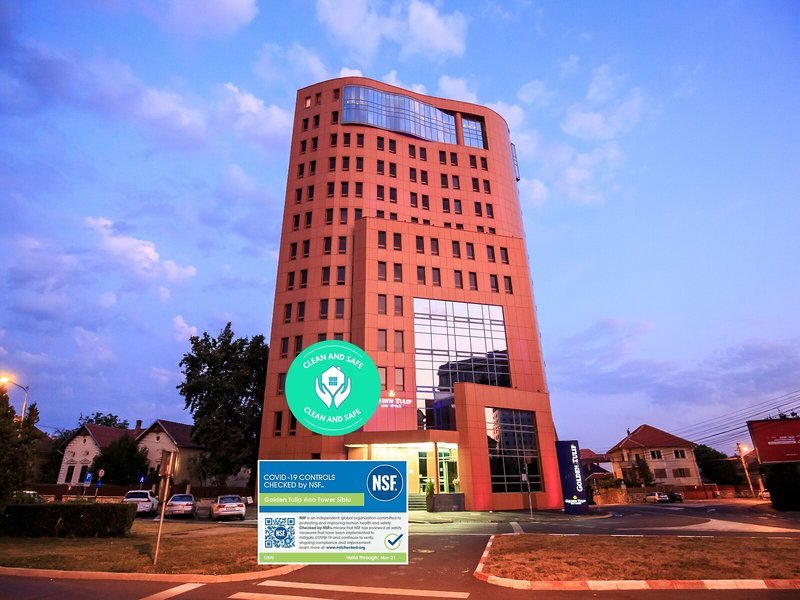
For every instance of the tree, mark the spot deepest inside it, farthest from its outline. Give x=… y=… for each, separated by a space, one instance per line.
x=224 y=390
x=715 y=466
x=18 y=440
x=122 y=460
x=107 y=419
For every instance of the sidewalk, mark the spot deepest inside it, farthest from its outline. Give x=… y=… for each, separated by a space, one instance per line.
x=424 y=517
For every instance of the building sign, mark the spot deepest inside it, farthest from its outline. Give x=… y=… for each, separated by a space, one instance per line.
x=391 y=400
x=333 y=387
x=776 y=440
x=332 y=512
x=573 y=487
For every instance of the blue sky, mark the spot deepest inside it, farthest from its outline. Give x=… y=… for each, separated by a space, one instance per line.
x=143 y=158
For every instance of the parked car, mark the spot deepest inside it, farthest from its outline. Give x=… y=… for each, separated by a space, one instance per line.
x=27 y=497
x=145 y=501
x=675 y=496
x=764 y=494
x=656 y=497
x=228 y=506
x=181 y=504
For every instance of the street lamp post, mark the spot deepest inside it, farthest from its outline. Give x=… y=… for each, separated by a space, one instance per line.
x=24 y=388
x=742 y=450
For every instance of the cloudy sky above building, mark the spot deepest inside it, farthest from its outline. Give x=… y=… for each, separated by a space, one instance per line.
x=143 y=159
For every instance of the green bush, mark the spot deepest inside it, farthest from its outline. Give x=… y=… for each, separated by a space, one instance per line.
x=429 y=488
x=67 y=520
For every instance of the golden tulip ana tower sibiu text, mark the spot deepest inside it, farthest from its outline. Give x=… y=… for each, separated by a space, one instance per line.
x=402 y=234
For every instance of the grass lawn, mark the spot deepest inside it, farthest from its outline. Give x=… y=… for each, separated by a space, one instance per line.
x=597 y=557
x=185 y=548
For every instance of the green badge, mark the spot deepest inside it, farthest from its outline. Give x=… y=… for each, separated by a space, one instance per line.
x=333 y=387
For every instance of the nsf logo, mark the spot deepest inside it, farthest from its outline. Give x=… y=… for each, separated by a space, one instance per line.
x=384 y=483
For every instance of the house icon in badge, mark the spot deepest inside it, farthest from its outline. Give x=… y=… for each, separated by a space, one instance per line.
x=332 y=386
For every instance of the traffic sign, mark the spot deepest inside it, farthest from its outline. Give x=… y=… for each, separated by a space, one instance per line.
x=101 y=472
x=87 y=479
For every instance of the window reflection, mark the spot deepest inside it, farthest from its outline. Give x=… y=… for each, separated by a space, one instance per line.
x=455 y=341
x=513 y=450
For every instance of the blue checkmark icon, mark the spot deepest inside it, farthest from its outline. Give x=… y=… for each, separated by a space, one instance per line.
x=393 y=542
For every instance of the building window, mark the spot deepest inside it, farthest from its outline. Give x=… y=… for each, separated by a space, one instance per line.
x=392 y=169
x=305 y=121
x=340 y=308
x=513 y=450
x=420 y=244
x=393 y=194
x=660 y=473
x=473 y=161
x=301 y=311
x=483 y=163
x=457 y=206
x=399 y=345
x=456 y=249
x=442 y=157
x=421 y=275
x=470 y=251
x=379 y=192
x=507 y=284
x=487 y=188
x=436 y=277
x=504 y=255
x=381 y=304
x=345 y=188
x=303 y=278
x=423 y=153
x=443 y=180
x=306 y=248
x=655 y=454
x=382 y=373
x=293 y=251
x=478 y=209
x=292 y=425
x=343 y=216
x=454 y=159
x=326 y=245
x=278 y=423
x=329 y=214
x=310 y=193
x=334 y=140
x=298 y=344
x=398 y=306
x=435 y=246
x=489 y=211
x=680 y=473
x=335 y=117
x=490 y=253
x=303 y=146
x=473 y=281
x=382 y=271
x=494 y=284
x=316 y=120
x=398 y=272
x=290 y=280
x=298 y=195
x=380 y=142
x=342 y=244
x=412 y=174
x=309 y=216
x=412 y=151
x=423 y=177
x=295 y=222
x=332 y=163
x=445 y=205
x=476 y=187
x=287 y=313
x=397 y=241
x=340 y=275
x=281 y=382
x=680 y=454
x=381 y=239
x=380 y=167
x=456 y=183
x=392 y=146
x=326 y=275
x=413 y=199
x=323 y=309
x=458 y=280
x=399 y=379
x=331 y=189
x=359 y=163
x=381 y=344
x=360 y=140
x=284 y=347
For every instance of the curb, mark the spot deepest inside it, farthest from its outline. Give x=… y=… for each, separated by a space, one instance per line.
x=168 y=577
x=632 y=584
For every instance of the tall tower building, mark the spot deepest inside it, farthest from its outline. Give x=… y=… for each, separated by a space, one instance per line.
x=402 y=234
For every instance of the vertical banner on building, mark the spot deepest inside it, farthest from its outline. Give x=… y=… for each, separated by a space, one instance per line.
x=332 y=512
x=573 y=487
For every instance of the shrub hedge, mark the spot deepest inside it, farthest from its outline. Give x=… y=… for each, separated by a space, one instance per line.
x=67 y=520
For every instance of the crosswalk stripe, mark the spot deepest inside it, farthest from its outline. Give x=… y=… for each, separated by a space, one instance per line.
x=257 y=596
x=186 y=587
x=365 y=589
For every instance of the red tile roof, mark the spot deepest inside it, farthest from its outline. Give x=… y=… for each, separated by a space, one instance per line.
x=647 y=436
x=179 y=433
x=104 y=435
x=590 y=456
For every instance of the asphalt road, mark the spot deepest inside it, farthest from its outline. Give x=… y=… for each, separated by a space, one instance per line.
x=444 y=556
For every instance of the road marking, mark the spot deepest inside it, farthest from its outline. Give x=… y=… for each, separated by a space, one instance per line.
x=181 y=589
x=257 y=596
x=516 y=527
x=357 y=589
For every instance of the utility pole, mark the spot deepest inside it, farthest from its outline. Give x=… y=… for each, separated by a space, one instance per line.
x=742 y=450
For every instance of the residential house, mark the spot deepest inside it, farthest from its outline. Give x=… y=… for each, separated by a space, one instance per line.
x=669 y=457
x=173 y=437
x=593 y=472
x=84 y=445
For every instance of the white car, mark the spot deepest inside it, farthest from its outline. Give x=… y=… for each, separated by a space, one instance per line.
x=228 y=506
x=145 y=501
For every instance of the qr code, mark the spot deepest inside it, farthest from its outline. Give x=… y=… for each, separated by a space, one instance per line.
x=279 y=533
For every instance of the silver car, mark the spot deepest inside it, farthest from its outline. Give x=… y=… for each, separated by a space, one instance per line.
x=181 y=504
x=145 y=501
x=228 y=506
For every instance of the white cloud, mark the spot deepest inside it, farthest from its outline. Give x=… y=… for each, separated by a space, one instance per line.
x=535 y=93
x=111 y=88
x=417 y=27
x=568 y=66
x=579 y=179
x=303 y=60
x=348 y=72
x=3 y=351
x=163 y=293
x=182 y=330
x=604 y=85
x=590 y=124
x=513 y=114
x=107 y=299
x=296 y=64
x=392 y=79
x=236 y=184
x=92 y=345
x=432 y=33
x=200 y=18
x=139 y=256
x=267 y=126
x=457 y=89
x=533 y=191
x=162 y=376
